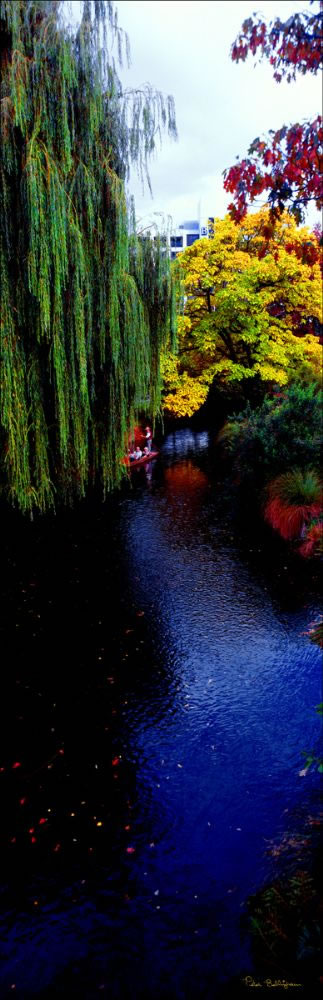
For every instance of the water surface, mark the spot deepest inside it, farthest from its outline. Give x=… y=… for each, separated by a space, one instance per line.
x=159 y=692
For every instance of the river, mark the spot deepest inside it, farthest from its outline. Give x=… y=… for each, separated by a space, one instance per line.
x=158 y=691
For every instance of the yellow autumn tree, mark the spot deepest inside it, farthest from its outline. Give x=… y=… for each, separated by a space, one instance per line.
x=251 y=307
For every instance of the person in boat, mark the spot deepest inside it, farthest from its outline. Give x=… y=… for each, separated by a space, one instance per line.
x=149 y=437
x=138 y=453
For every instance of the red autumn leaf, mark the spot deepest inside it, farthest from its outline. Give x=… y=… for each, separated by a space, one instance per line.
x=291 y=46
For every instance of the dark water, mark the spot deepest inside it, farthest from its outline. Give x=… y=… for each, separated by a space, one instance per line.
x=157 y=694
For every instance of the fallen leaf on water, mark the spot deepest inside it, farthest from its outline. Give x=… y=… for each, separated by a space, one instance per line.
x=15 y=765
x=116 y=761
x=303 y=772
x=130 y=850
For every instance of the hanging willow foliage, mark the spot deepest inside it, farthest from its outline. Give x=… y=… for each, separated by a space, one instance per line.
x=86 y=304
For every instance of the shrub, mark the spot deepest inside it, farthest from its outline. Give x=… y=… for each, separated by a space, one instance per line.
x=281 y=433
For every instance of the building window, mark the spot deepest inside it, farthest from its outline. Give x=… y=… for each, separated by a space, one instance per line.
x=191 y=237
x=176 y=241
x=173 y=254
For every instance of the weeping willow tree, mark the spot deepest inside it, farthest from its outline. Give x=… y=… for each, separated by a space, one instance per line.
x=86 y=304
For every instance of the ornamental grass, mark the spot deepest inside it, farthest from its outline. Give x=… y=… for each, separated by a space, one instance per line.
x=293 y=499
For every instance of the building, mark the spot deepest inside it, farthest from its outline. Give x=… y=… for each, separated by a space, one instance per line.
x=187 y=233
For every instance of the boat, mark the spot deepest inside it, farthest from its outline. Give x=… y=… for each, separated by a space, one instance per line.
x=141 y=461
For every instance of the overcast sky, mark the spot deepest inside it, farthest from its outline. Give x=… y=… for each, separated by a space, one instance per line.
x=182 y=47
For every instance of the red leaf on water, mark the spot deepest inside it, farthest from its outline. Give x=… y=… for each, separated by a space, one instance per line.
x=32 y=829
x=42 y=821
x=16 y=764
x=22 y=801
x=130 y=850
x=115 y=761
x=33 y=840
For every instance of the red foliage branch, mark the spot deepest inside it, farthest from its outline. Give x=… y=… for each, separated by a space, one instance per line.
x=292 y=46
x=287 y=165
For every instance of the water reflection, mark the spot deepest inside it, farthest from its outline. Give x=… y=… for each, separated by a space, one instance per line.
x=158 y=705
x=182 y=443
